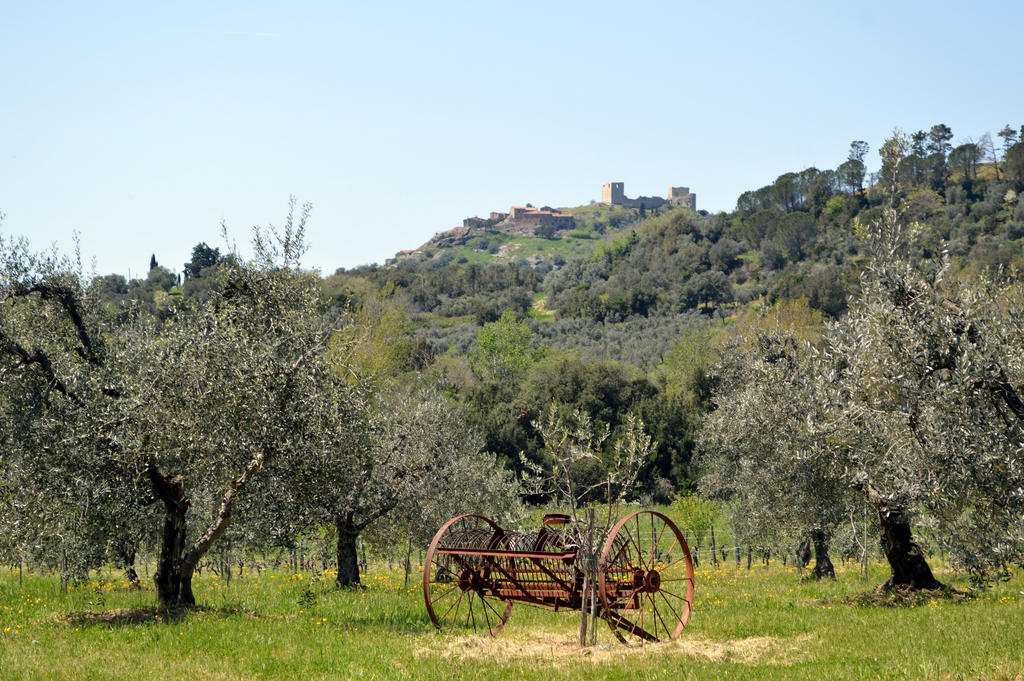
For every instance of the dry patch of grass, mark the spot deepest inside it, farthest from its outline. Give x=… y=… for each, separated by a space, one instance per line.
x=561 y=650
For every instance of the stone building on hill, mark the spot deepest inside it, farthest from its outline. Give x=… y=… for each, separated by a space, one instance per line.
x=524 y=218
x=614 y=194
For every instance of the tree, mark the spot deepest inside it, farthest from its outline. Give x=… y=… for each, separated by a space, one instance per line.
x=403 y=454
x=203 y=257
x=1009 y=136
x=375 y=346
x=938 y=139
x=758 y=451
x=931 y=423
x=685 y=368
x=784 y=191
x=851 y=175
x=572 y=445
x=858 y=150
x=893 y=150
x=1013 y=164
x=938 y=146
x=911 y=401
x=851 y=172
x=708 y=288
x=988 y=151
x=724 y=255
x=965 y=159
x=182 y=414
x=503 y=348
x=917 y=143
x=794 y=233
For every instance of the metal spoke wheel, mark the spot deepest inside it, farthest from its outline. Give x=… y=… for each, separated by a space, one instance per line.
x=458 y=585
x=645 y=578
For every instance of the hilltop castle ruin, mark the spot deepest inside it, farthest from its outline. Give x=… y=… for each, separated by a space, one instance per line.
x=614 y=194
x=547 y=221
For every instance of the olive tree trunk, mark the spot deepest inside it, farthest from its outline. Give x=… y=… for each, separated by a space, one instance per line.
x=348 y=553
x=173 y=589
x=822 y=563
x=906 y=559
x=177 y=563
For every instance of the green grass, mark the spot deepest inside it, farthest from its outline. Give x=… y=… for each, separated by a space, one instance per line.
x=538 y=309
x=763 y=624
x=571 y=244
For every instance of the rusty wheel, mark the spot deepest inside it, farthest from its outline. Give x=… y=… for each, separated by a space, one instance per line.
x=458 y=587
x=645 y=578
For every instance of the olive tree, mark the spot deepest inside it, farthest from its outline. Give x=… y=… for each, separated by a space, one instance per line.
x=912 y=401
x=178 y=414
x=920 y=382
x=760 y=452
x=472 y=482
x=577 y=469
x=405 y=454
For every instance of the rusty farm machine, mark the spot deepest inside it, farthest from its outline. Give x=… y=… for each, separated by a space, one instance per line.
x=474 y=571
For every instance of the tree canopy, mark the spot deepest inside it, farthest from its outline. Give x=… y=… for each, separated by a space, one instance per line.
x=911 y=401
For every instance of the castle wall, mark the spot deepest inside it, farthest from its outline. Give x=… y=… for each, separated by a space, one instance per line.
x=645 y=201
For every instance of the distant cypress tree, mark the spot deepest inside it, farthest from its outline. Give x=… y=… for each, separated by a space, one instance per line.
x=153 y=264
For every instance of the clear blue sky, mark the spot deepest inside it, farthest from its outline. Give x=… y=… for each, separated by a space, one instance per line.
x=141 y=128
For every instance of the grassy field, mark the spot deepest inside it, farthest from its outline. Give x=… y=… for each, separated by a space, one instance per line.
x=763 y=624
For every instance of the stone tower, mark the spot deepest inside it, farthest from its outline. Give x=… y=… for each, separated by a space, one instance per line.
x=681 y=196
x=613 y=193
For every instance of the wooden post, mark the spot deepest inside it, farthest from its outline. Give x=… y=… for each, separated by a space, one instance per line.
x=864 y=546
x=63 y=570
x=408 y=560
x=584 y=593
x=714 y=554
x=736 y=546
x=592 y=540
x=585 y=551
x=593 y=612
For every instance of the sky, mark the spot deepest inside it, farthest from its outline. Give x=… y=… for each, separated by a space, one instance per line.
x=141 y=127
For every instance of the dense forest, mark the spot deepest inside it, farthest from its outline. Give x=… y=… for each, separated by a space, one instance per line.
x=666 y=320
